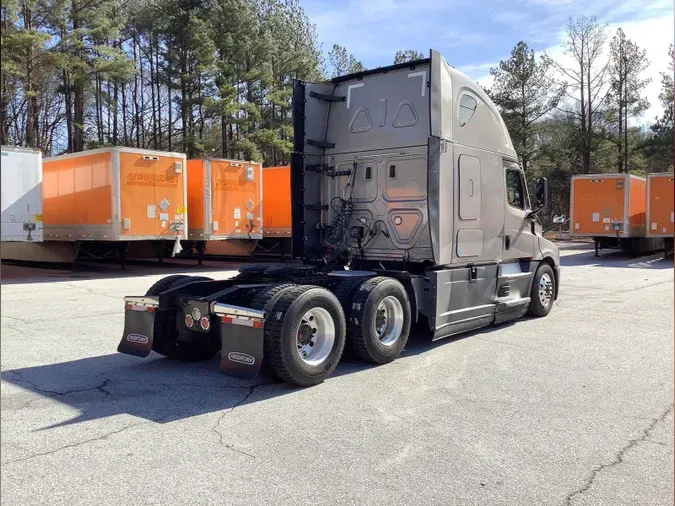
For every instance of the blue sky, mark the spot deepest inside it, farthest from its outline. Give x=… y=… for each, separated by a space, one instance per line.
x=474 y=35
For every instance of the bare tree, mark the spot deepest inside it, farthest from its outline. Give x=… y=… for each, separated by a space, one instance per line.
x=587 y=78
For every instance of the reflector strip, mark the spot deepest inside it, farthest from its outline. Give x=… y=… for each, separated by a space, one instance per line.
x=138 y=307
x=258 y=324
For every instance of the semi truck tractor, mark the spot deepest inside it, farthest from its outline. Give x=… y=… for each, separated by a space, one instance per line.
x=408 y=205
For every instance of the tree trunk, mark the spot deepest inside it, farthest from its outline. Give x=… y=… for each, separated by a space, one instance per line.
x=200 y=108
x=108 y=122
x=135 y=96
x=99 y=112
x=125 y=133
x=78 y=115
x=183 y=99
x=625 y=129
x=168 y=86
x=589 y=143
x=230 y=138
x=69 y=110
x=141 y=124
x=152 y=92
x=77 y=86
x=31 y=94
x=584 y=132
x=159 y=96
x=4 y=103
x=115 y=139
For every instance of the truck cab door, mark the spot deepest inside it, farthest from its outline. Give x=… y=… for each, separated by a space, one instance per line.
x=518 y=240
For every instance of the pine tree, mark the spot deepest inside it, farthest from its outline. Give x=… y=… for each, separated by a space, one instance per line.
x=524 y=92
x=408 y=55
x=342 y=62
x=627 y=63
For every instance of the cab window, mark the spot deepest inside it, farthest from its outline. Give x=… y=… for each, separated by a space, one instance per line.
x=515 y=191
x=467 y=108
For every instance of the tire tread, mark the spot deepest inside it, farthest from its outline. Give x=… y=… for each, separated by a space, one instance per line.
x=356 y=338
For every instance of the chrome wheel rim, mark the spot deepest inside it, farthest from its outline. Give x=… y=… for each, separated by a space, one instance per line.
x=315 y=336
x=389 y=321
x=545 y=289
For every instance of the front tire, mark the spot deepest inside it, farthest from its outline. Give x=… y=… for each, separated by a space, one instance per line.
x=378 y=320
x=542 y=292
x=304 y=335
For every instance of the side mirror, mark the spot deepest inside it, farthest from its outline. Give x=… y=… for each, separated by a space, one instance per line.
x=541 y=193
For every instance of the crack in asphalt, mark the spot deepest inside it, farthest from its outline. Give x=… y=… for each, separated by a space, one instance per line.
x=51 y=394
x=618 y=458
x=79 y=443
x=15 y=318
x=142 y=381
x=215 y=430
x=93 y=292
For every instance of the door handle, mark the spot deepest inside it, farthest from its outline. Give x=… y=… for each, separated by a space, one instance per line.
x=507 y=242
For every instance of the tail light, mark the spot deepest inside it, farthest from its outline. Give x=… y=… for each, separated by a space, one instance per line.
x=205 y=323
x=189 y=321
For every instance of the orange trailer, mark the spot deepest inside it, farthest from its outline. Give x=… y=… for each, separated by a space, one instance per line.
x=608 y=205
x=224 y=199
x=277 y=201
x=115 y=194
x=660 y=205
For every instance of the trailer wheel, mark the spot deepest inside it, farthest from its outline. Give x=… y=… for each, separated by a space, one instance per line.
x=304 y=335
x=165 y=340
x=542 y=291
x=378 y=320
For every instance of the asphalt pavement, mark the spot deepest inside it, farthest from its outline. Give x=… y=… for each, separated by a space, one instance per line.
x=572 y=409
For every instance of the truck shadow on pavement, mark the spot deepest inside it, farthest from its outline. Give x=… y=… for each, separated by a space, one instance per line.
x=155 y=389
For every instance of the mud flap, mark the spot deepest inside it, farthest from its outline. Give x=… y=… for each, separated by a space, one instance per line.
x=241 y=334
x=242 y=351
x=139 y=324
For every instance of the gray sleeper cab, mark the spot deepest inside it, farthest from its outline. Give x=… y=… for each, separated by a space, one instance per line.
x=408 y=203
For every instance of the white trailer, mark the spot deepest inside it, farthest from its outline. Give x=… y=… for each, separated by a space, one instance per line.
x=21 y=186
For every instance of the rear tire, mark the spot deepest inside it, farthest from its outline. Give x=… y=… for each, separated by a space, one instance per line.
x=542 y=292
x=309 y=320
x=166 y=283
x=378 y=320
x=165 y=334
x=269 y=295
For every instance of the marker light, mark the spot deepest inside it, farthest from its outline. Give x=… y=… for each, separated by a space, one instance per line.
x=205 y=323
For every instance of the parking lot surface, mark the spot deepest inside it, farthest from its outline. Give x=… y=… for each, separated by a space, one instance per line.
x=572 y=409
